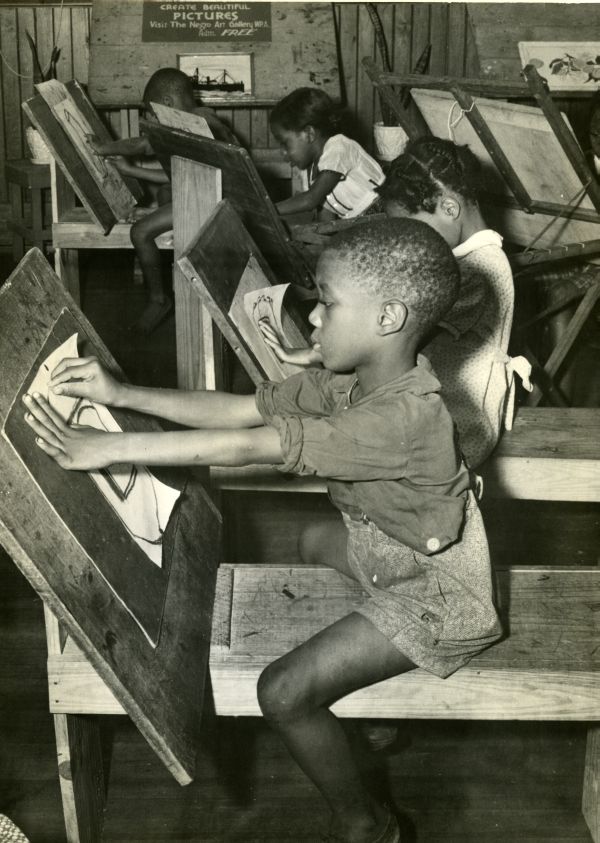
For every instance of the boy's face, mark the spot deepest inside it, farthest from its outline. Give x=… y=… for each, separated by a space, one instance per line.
x=345 y=318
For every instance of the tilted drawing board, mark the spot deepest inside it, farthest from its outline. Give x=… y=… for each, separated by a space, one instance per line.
x=535 y=154
x=64 y=117
x=244 y=189
x=539 y=190
x=145 y=628
x=223 y=260
x=177 y=119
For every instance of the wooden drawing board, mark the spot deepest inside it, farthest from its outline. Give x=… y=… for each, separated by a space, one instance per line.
x=215 y=265
x=63 y=115
x=177 y=119
x=536 y=155
x=243 y=187
x=57 y=529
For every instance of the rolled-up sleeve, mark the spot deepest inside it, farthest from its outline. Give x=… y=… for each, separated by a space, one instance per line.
x=357 y=444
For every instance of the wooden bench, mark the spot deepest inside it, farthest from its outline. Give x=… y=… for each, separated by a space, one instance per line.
x=546 y=669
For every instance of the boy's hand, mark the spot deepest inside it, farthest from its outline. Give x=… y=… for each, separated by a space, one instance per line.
x=82 y=448
x=98 y=147
x=297 y=356
x=84 y=377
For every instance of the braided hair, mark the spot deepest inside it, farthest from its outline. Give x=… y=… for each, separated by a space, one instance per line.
x=307 y=107
x=428 y=165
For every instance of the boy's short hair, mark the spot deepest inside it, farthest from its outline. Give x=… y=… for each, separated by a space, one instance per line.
x=168 y=81
x=405 y=259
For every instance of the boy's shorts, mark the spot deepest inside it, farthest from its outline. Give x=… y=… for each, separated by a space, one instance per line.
x=437 y=610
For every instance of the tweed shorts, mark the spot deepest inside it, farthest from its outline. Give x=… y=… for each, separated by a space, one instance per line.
x=437 y=610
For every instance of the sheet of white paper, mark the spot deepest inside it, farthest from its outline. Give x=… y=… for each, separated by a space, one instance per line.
x=142 y=502
x=249 y=306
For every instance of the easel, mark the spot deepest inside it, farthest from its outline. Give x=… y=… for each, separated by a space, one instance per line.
x=574 y=202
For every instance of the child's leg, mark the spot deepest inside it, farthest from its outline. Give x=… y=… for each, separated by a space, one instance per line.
x=295 y=693
x=142 y=236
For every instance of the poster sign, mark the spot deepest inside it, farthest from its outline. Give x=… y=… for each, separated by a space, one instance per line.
x=195 y=21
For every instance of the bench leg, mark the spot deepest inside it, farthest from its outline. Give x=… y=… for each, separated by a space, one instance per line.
x=591 y=783
x=66 y=266
x=81 y=776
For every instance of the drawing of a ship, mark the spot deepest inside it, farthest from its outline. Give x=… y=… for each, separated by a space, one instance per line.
x=219 y=83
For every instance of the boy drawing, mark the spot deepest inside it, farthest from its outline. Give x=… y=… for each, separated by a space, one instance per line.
x=171 y=87
x=373 y=423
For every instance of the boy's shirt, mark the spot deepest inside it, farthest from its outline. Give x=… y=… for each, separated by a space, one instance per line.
x=390 y=456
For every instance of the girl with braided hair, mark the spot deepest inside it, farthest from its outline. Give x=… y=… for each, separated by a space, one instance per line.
x=438 y=182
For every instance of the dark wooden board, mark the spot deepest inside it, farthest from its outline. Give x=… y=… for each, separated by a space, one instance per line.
x=100 y=129
x=160 y=687
x=243 y=187
x=68 y=159
x=214 y=266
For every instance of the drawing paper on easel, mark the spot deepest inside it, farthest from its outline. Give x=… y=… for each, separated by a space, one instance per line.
x=249 y=306
x=107 y=177
x=177 y=119
x=140 y=500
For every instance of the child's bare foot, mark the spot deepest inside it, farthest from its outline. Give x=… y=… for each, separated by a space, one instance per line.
x=151 y=317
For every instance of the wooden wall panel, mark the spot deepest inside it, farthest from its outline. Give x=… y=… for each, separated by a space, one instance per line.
x=408 y=27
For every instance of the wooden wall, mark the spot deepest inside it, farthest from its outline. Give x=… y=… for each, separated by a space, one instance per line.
x=408 y=27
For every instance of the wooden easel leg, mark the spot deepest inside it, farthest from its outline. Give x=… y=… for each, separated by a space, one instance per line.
x=196 y=192
x=81 y=776
x=66 y=266
x=591 y=783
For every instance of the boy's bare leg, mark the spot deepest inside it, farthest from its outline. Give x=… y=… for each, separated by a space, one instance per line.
x=142 y=235
x=295 y=693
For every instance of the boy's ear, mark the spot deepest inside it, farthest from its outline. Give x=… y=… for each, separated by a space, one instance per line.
x=392 y=317
x=167 y=99
x=310 y=133
x=450 y=206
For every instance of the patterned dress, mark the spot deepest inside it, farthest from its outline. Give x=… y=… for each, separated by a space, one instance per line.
x=469 y=351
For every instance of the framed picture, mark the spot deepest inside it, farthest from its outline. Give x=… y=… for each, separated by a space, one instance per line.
x=218 y=76
x=566 y=65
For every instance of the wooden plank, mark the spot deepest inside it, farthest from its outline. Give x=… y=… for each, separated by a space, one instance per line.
x=81 y=776
x=160 y=686
x=243 y=187
x=591 y=782
x=546 y=669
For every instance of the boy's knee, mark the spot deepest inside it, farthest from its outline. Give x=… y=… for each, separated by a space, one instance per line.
x=137 y=234
x=278 y=696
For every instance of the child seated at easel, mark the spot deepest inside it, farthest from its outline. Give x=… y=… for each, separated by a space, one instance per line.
x=342 y=177
x=371 y=421
x=171 y=87
x=438 y=182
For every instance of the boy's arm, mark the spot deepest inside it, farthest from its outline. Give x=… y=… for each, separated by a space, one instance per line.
x=125 y=146
x=84 y=377
x=313 y=197
x=87 y=448
x=149 y=174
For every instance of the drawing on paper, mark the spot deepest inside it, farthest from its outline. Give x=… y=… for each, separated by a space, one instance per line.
x=250 y=305
x=142 y=503
x=565 y=65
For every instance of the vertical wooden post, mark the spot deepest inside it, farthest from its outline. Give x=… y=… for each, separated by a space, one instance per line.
x=196 y=192
x=66 y=261
x=79 y=755
x=591 y=783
